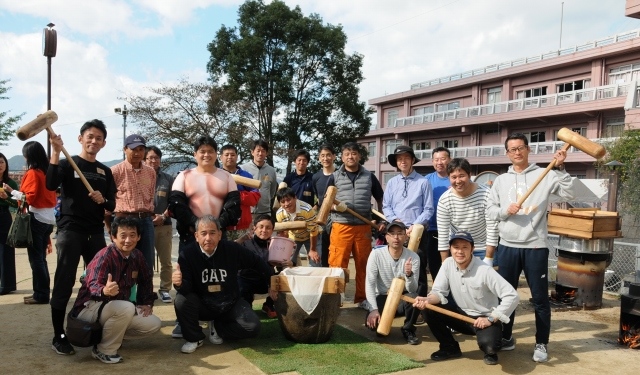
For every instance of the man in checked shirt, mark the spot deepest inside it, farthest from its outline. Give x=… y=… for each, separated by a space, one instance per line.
x=110 y=277
x=136 y=184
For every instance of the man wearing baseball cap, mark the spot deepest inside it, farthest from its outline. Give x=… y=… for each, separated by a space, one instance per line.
x=384 y=264
x=408 y=198
x=136 y=184
x=479 y=293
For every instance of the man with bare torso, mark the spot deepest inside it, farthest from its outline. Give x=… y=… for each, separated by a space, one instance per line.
x=203 y=190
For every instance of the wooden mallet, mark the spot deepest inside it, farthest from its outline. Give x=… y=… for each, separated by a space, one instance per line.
x=414 y=237
x=290 y=225
x=250 y=182
x=394 y=295
x=44 y=122
x=570 y=138
x=330 y=200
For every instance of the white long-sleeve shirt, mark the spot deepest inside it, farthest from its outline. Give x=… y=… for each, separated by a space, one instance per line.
x=382 y=268
x=466 y=214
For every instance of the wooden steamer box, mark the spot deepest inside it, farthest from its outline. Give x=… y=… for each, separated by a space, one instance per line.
x=585 y=223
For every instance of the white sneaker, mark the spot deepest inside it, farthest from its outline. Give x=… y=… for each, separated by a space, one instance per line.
x=213 y=335
x=540 y=353
x=165 y=296
x=190 y=347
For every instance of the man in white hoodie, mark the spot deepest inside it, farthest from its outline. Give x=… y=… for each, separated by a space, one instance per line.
x=523 y=231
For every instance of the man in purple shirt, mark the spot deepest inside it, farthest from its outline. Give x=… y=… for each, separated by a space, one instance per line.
x=110 y=278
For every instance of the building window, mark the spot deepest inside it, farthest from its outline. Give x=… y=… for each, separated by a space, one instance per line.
x=448 y=143
x=573 y=86
x=421 y=145
x=625 y=73
x=448 y=106
x=535 y=137
x=494 y=95
x=538 y=91
x=423 y=110
x=390 y=145
x=371 y=148
x=614 y=127
x=392 y=116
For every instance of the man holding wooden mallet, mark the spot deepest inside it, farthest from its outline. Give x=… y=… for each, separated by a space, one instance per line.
x=523 y=230
x=479 y=293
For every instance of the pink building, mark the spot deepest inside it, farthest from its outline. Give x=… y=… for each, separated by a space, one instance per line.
x=590 y=88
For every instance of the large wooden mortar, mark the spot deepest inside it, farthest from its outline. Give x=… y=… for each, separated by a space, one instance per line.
x=296 y=324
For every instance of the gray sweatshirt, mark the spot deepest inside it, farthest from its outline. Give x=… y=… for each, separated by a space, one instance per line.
x=266 y=174
x=527 y=228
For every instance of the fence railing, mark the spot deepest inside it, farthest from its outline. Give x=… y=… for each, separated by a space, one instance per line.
x=572 y=97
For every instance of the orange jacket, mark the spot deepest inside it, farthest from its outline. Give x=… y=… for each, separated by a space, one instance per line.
x=35 y=189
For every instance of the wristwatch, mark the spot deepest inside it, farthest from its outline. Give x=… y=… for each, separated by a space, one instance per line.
x=491 y=319
x=559 y=167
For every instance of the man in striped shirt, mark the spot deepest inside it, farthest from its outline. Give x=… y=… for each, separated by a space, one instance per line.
x=385 y=263
x=463 y=208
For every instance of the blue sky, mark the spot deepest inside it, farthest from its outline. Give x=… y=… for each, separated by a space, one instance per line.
x=110 y=49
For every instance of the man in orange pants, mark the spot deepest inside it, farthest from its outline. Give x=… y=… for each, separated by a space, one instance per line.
x=356 y=186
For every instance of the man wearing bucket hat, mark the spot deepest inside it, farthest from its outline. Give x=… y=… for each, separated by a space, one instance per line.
x=136 y=184
x=408 y=198
x=384 y=264
x=479 y=293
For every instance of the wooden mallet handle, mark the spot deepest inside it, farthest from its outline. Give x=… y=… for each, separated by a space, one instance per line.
x=290 y=225
x=72 y=163
x=394 y=295
x=250 y=182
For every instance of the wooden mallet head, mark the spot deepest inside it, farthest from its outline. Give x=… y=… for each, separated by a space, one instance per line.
x=394 y=294
x=325 y=208
x=581 y=143
x=35 y=126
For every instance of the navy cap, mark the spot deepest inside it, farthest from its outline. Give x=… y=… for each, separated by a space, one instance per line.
x=461 y=235
x=396 y=223
x=135 y=140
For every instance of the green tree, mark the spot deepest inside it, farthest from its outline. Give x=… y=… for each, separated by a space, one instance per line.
x=294 y=71
x=7 y=126
x=626 y=150
x=172 y=117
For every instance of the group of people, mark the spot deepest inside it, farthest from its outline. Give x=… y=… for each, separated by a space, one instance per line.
x=225 y=229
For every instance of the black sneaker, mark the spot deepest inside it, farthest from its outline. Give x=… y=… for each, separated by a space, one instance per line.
x=61 y=346
x=490 y=359
x=441 y=354
x=411 y=337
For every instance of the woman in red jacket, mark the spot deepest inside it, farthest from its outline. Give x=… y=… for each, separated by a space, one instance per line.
x=41 y=209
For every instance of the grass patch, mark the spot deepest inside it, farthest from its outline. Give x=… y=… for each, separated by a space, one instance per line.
x=345 y=353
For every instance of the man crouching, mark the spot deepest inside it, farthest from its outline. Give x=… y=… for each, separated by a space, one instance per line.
x=206 y=279
x=109 y=280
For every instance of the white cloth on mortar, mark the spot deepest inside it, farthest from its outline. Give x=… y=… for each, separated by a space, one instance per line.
x=306 y=284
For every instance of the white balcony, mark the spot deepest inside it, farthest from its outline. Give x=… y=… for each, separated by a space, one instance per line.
x=565 y=98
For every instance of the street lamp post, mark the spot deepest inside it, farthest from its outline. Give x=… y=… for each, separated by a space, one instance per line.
x=123 y=112
x=49 y=47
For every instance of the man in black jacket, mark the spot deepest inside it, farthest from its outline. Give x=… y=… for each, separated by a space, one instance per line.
x=206 y=279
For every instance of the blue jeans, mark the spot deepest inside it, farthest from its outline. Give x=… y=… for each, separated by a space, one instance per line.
x=147 y=242
x=534 y=263
x=38 y=259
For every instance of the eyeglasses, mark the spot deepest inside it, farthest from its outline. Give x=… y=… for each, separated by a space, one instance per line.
x=513 y=150
x=395 y=234
x=152 y=158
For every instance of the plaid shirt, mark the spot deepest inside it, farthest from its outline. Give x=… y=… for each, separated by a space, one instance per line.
x=136 y=188
x=126 y=272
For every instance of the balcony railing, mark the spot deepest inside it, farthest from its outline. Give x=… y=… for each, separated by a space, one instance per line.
x=498 y=150
x=526 y=60
x=578 y=96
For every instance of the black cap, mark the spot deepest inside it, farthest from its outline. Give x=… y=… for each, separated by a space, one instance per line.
x=461 y=235
x=396 y=223
x=135 y=140
x=401 y=150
